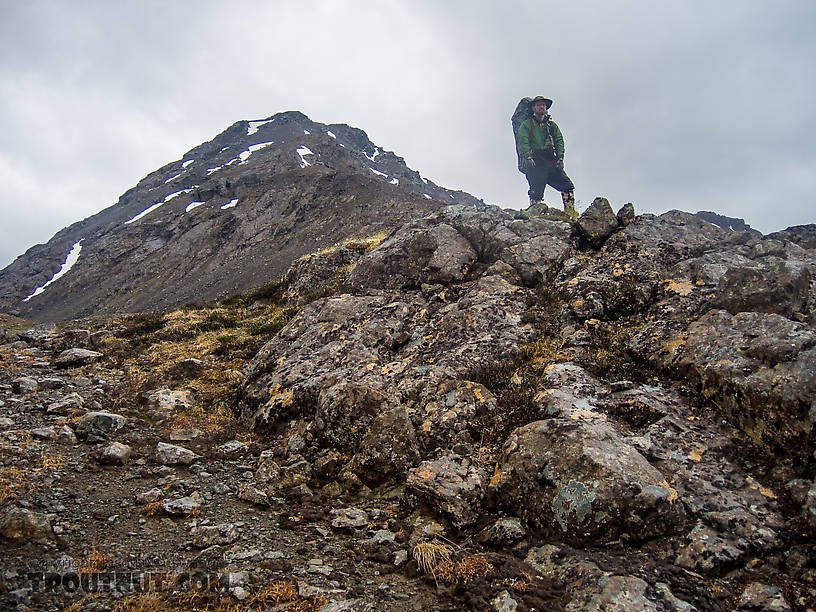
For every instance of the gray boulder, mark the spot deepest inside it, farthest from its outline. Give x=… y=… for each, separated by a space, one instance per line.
x=75 y=357
x=388 y=450
x=426 y=251
x=581 y=481
x=99 y=426
x=171 y=454
x=598 y=222
x=24 y=385
x=23 y=524
x=452 y=485
x=116 y=454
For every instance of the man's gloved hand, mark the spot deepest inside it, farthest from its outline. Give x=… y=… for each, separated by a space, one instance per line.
x=559 y=163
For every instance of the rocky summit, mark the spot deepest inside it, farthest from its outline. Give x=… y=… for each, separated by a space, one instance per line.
x=476 y=409
x=228 y=216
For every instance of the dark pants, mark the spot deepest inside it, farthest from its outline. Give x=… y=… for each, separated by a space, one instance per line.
x=546 y=173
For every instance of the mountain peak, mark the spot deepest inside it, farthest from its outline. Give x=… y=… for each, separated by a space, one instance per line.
x=228 y=216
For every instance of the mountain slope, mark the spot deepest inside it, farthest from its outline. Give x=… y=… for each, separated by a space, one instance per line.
x=230 y=215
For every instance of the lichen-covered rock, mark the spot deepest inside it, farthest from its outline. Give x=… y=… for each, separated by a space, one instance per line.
x=707 y=550
x=770 y=284
x=424 y=251
x=215 y=535
x=448 y=412
x=760 y=368
x=99 y=425
x=758 y=596
x=24 y=385
x=451 y=485
x=579 y=480
x=312 y=273
x=116 y=454
x=598 y=222
x=345 y=412
x=388 y=450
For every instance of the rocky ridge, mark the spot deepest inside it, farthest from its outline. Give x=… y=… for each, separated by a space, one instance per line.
x=486 y=410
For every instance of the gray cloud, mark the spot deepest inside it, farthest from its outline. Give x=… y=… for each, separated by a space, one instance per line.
x=669 y=105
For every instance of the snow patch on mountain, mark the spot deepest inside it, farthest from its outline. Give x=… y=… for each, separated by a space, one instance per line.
x=70 y=260
x=157 y=204
x=255 y=125
x=244 y=155
x=303 y=151
x=230 y=204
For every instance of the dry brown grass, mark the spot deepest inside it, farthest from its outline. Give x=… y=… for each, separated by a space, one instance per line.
x=279 y=592
x=152 y=508
x=53 y=462
x=309 y=604
x=465 y=571
x=430 y=555
x=13 y=481
x=366 y=244
x=94 y=562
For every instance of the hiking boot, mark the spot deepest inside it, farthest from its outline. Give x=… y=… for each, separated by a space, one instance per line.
x=569 y=204
x=537 y=207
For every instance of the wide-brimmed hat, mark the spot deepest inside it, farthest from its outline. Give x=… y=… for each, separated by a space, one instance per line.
x=539 y=99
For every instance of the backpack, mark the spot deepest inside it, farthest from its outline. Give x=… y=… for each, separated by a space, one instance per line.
x=522 y=112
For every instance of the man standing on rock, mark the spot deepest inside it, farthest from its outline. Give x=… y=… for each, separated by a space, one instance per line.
x=541 y=147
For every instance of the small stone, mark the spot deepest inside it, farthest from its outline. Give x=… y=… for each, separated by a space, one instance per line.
x=6 y=422
x=24 y=385
x=52 y=383
x=65 y=406
x=98 y=426
x=758 y=596
x=239 y=593
x=148 y=497
x=503 y=532
x=504 y=603
x=621 y=385
x=22 y=524
x=184 y=435
x=116 y=454
x=170 y=454
x=382 y=536
x=66 y=435
x=76 y=357
x=44 y=433
x=233 y=446
x=249 y=493
x=183 y=506
x=348 y=518
x=205 y=536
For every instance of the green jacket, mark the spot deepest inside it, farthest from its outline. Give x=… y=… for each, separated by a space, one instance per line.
x=533 y=135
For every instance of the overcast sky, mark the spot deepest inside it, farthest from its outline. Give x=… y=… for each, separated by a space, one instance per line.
x=689 y=104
